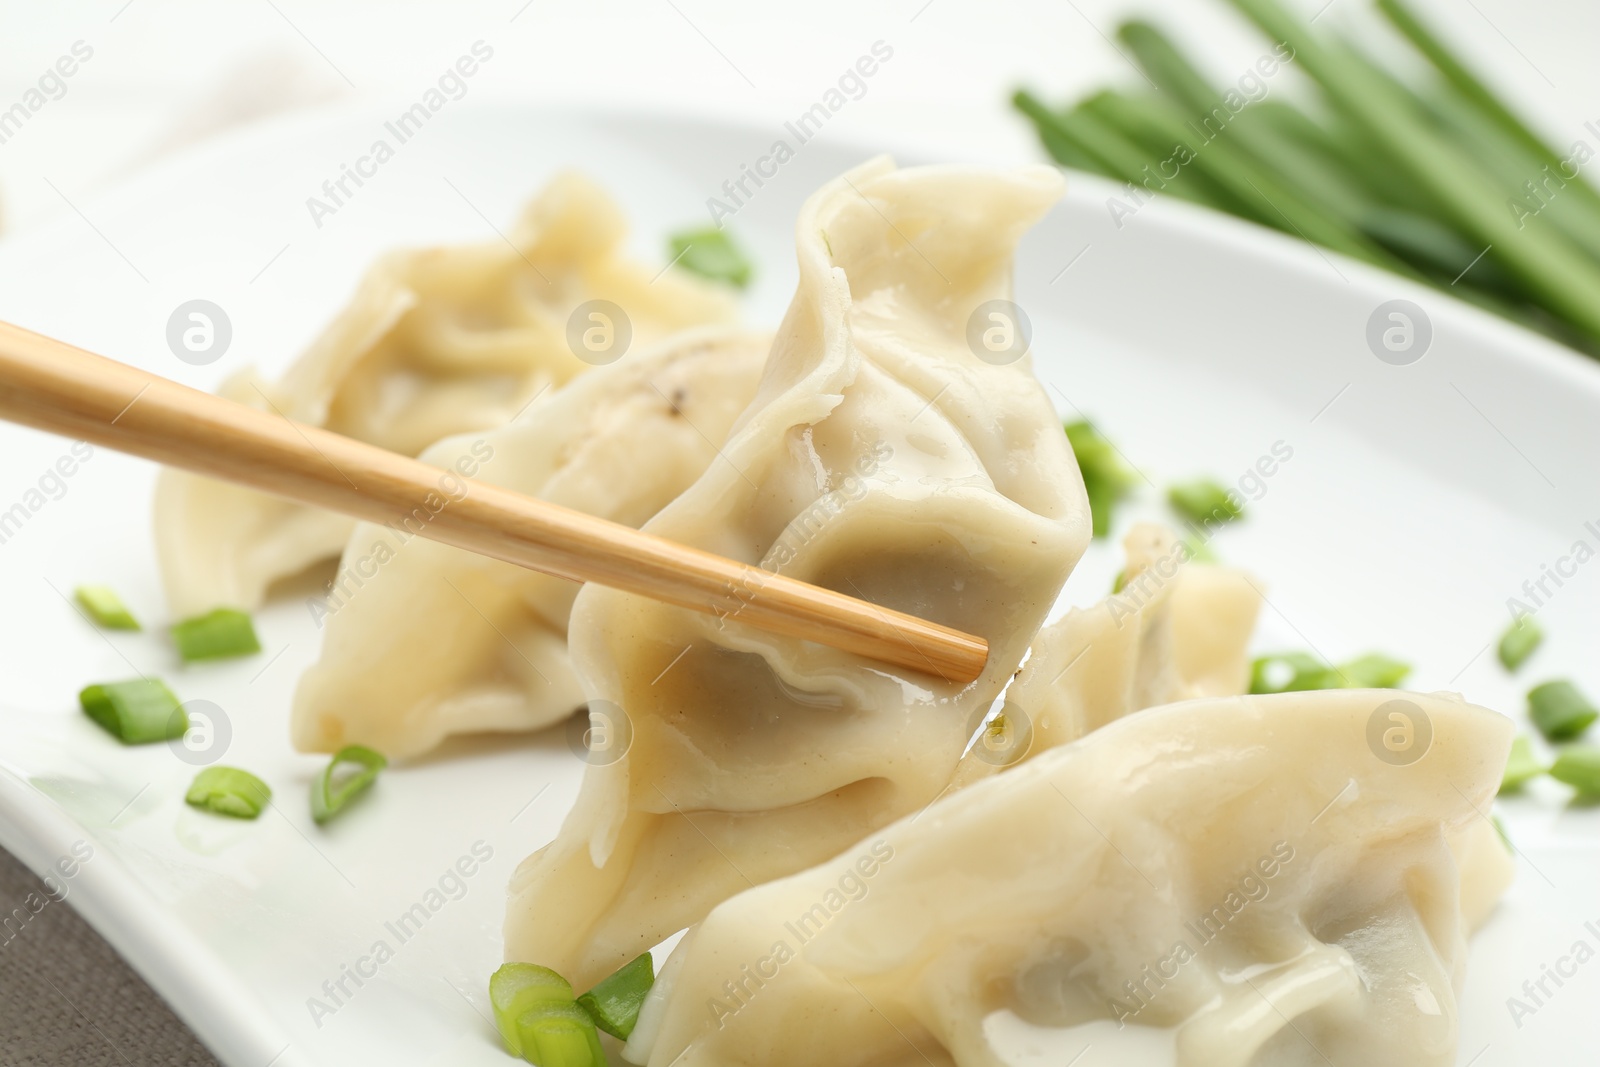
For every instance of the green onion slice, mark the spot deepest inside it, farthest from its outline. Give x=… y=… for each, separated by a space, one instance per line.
x=1204 y=501
x=517 y=988
x=1198 y=550
x=1519 y=642
x=1298 y=672
x=1522 y=766
x=1579 y=767
x=1106 y=479
x=615 y=1001
x=712 y=254
x=215 y=635
x=1374 y=671
x=135 y=712
x=105 y=607
x=327 y=800
x=1559 y=711
x=228 y=791
x=1291 y=672
x=559 y=1035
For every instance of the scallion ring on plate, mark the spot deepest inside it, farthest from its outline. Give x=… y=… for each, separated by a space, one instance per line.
x=328 y=798
x=228 y=791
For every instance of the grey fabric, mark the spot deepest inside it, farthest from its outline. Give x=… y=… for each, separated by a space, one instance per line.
x=67 y=998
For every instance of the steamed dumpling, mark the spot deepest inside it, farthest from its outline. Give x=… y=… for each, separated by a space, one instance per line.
x=1177 y=630
x=435 y=342
x=425 y=640
x=1234 y=882
x=881 y=458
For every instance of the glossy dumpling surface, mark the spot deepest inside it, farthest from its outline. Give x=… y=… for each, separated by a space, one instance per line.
x=1232 y=882
x=882 y=458
x=435 y=342
x=1178 y=629
x=424 y=640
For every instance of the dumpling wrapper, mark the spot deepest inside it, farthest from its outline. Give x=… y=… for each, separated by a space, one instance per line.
x=425 y=640
x=435 y=342
x=1177 y=630
x=1238 y=882
x=880 y=458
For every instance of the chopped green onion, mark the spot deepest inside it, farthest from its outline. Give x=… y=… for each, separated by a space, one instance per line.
x=712 y=254
x=1522 y=766
x=136 y=712
x=1204 y=501
x=1559 y=711
x=1297 y=672
x=105 y=607
x=328 y=800
x=228 y=791
x=220 y=633
x=615 y=1001
x=1374 y=671
x=1120 y=582
x=1199 y=551
x=1518 y=642
x=1291 y=672
x=515 y=989
x=559 y=1035
x=1106 y=479
x=1579 y=767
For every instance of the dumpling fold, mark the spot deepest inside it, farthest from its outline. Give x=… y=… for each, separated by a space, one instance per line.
x=435 y=342
x=424 y=640
x=1260 y=881
x=881 y=457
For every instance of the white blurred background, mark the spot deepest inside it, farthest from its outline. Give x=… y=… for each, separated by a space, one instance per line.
x=166 y=74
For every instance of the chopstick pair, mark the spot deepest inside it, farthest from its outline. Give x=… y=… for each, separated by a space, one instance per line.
x=53 y=386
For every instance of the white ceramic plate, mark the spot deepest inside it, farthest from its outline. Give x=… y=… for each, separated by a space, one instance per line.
x=1417 y=500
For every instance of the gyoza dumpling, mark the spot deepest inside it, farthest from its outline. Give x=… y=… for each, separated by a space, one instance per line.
x=1234 y=882
x=1177 y=630
x=435 y=342
x=881 y=458
x=424 y=640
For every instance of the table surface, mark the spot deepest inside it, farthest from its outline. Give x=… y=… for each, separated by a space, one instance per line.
x=165 y=75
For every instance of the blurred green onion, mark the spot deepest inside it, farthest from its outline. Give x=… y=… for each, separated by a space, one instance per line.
x=135 y=712
x=1106 y=479
x=712 y=254
x=1522 y=766
x=228 y=791
x=1296 y=672
x=105 y=607
x=1419 y=175
x=1560 y=711
x=1579 y=767
x=1519 y=642
x=1202 y=501
x=216 y=635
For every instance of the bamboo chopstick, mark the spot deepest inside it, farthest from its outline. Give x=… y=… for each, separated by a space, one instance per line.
x=53 y=386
